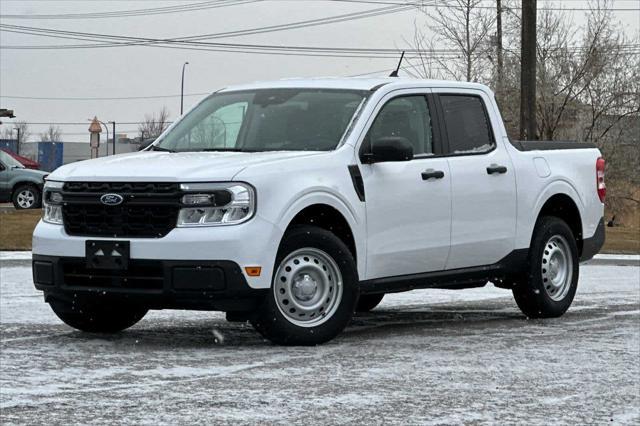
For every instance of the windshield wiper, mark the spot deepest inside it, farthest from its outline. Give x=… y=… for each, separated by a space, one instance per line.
x=159 y=148
x=224 y=150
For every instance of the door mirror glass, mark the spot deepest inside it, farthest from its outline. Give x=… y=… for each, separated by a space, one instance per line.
x=390 y=148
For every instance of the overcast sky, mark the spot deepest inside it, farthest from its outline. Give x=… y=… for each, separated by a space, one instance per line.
x=150 y=71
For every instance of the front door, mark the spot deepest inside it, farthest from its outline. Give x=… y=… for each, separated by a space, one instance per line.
x=408 y=203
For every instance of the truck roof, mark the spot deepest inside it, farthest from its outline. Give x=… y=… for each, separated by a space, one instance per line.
x=355 y=83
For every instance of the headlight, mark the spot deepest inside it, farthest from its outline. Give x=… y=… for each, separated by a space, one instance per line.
x=212 y=204
x=52 y=202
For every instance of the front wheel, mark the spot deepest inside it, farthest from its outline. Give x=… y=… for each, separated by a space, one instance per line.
x=314 y=289
x=26 y=197
x=548 y=289
x=98 y=317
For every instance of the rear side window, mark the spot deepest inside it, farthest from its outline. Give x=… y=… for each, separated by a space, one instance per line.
x=467 y=124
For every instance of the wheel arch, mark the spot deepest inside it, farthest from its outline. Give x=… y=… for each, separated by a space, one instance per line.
x=329 y=218
x=328 y=211
x=564 y=207
x=18 y=183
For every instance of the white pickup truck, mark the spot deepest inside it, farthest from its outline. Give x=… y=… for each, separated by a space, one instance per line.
x=292 y=204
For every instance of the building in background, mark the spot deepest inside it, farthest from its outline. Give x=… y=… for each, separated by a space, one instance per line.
x=49 y=156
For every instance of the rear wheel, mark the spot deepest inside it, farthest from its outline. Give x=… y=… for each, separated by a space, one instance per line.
x=314 y=289
x=367 y=302
x=26 y=196
x=98 y=317
x=552 y=278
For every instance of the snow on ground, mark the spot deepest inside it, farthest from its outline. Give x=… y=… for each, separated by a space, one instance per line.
x=427 y=356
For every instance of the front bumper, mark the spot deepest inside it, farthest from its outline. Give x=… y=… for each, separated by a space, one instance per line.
x=253 y=243
x=155 y=284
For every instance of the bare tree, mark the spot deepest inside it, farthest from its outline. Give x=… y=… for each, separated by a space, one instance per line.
x=464 y=28
x=154 y=124
x=7 y=133
x=20 y=130
x=52 y=134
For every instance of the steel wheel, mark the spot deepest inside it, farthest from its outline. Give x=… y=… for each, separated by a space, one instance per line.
x=26 y=198
x=557 y=268
x=308 y=287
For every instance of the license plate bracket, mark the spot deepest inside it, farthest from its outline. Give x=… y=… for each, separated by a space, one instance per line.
x=113 y=255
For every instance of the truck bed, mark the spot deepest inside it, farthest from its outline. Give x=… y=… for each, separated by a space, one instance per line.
x=550 y=145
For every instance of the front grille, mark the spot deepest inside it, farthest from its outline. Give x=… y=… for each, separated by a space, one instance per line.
x=148 y=210
x=141 y=275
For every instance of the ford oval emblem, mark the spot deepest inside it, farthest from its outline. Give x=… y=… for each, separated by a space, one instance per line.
x=111 y=199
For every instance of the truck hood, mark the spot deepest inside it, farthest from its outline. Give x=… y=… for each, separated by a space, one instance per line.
x=153 y=166
x=35 y=174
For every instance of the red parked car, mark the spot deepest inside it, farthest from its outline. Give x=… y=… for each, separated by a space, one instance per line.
x=29 y=164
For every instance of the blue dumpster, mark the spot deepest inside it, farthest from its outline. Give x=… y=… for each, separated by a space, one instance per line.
x=9 y=145
x=50 y=155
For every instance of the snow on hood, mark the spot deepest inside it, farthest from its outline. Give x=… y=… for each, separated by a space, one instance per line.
x=153 y=166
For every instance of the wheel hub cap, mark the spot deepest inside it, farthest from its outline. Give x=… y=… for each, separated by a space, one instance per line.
x=26 y=199
x=308 y=287
x=304 y=288
x=557 y=268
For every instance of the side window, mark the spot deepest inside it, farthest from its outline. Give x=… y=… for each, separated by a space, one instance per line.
x=2 y=167
x=407 y=117
x=467 y=124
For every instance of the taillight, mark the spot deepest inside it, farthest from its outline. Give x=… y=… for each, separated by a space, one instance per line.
x=600 y=185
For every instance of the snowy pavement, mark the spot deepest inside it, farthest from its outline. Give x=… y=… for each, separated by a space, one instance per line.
x=427 y=356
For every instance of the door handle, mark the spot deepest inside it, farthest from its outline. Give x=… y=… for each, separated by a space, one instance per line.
x=494 y=168
x=432 y=174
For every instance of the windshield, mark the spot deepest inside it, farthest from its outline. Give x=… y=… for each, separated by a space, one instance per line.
x=9 y=161
x=266 y=120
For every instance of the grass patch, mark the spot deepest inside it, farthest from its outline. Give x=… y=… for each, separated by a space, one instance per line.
x=16 y=228
x=622 y=240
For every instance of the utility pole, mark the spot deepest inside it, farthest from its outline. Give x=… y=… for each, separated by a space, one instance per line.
x=113 y=123
x=528 y=71
x=182 y=89
x=18 y=141
x=499 y=44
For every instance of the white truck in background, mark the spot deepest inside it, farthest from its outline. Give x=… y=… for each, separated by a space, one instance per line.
x=292 y=204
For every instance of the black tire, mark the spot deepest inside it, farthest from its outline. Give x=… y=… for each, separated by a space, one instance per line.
x=535 y=293
x=98 y=317
x=26 y=196
x=280 y=329
x=367 y=302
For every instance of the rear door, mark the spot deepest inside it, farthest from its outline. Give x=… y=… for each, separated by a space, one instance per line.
x=408 y=204
x=483 y=185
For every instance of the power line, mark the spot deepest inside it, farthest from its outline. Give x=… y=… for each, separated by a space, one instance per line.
x=135 y=12
x=116 y=98
x=239 y=47
x=225 y=3
x=183 y=40
x=444 y=4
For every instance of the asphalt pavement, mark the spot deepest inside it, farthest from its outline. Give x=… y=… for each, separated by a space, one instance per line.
x=423 y=357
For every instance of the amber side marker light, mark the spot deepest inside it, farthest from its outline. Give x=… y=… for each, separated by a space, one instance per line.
x=253 y=271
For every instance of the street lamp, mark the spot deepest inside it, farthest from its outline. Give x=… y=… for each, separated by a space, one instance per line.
x=182 y=89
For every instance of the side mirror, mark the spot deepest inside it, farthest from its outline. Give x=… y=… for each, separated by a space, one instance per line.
x=389 y=148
